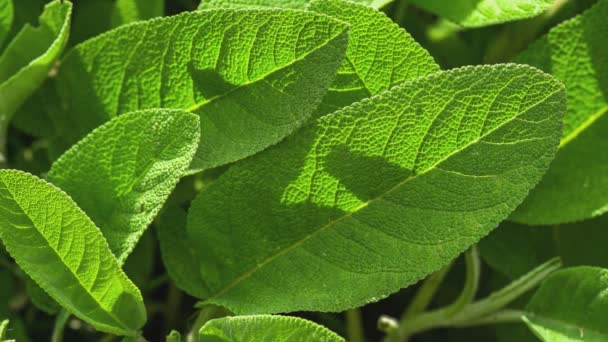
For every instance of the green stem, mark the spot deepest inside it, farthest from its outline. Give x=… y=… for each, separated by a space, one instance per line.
x=174 y=301
x=503 y=316
x=425 y=293
x=473 y=269
x=354 y=326
x=60 y=322
x=207 y=313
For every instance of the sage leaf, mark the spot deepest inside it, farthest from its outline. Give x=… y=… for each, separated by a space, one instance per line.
x=28 y=58
x=39 y=298
x=575 y=187
x=296 y=4
x=377 y=195
x=583 y=243
x=265 y=328
x=6 y=19
x=122 y=172
x=252 y=84
x=56 y=244
x=395 y=56
x=571 y=305
x=178 y=255
x=478 y=13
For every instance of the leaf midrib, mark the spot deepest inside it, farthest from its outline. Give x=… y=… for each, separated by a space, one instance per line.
x=300 y=242
x=530 y=316
x=195 y=107
x=109 y=313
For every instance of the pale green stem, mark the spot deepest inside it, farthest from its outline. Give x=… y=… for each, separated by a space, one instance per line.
x=60 y=322
x=3 y=328
x=425 y=293
x=354 y=326
x=503 y=316
x=473 y=271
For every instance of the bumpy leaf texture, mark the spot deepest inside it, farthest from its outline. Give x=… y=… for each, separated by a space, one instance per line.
x=377 y=195
x=477 y=13
x=297 y=4
x=571 y=305
x=252 y=76
x=576 y=186
x=265 y=328
x=31 y=54
x=122 y=173
x=6 y=18
x=56 y=244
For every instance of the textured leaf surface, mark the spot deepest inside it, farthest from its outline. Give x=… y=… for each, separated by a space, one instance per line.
x=571 y=305
x=576 y=186
x=377 y=195
x=61 y=249
x=122 y=173
x=380 y=54
x=28 y=58
x=265 y=328
x=180 y=259
x=6 y=18
x=296 y=4
x=476 y=13
x=252 y=76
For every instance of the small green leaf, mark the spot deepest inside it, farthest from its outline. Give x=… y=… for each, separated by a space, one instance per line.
x=379 y=56
x=122 y=172
x=477 y=13
x=178 y=255
x=571 y=305
x=28 y=58
x=6 y=19
x=583 y=243
x=56 y=244
x=265 y=328
x=296 y=4
x=370 y=198
x=252 y=84
x=575 y=187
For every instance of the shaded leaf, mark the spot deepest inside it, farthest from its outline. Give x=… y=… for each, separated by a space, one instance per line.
x=265 y=328
x=477 y=13
x=252 y=84
x=122 y=173
x=6 y=19
x=571 y=305
x=376 y=196
x=39 y=298
x=56 y=244
x=576 y=186
x=583 y=243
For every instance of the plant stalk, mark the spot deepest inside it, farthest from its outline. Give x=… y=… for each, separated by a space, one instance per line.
x=354 y=326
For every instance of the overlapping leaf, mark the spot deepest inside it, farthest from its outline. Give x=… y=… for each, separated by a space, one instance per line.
x=476 y=13
x=377 y=195
x=265 y=328
x=28 y=58
x=122 y=173
x=6 y=19
x=61 y=249
x=583 y=243
x=576 y=186
x=571 y=305
x=297 y=4
x=252 y=76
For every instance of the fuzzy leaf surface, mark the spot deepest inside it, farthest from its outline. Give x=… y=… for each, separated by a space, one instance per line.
x=31 y=54
x=122 y=173
x=478 y=13
x=296 y=4
x=376 y=196
x=265 y=328
x=575 y=187
x=571 y=305
x=253 y=76
x=57 y=245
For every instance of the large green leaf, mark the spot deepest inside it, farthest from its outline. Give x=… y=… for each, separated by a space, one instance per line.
x=571 y=305
x=583 y=243
x=477 y=13
x=6 y=19
x=376 y=196
x=576 y=186
x=177 y=252
x=28 y=58
x=61 y=249
x=265 y=328
x=252 y=83
x=122 y=173
x=297 y=4
x=380 y=55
